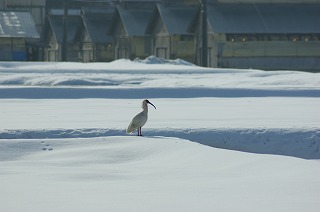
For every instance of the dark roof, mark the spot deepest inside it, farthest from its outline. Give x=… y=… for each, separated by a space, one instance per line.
x=75 y=3
x=264 y=18
x=97 y=21
x=134 y=19
x=56 y=24
x=97 y=27
x=17 y=24
x=176 y=18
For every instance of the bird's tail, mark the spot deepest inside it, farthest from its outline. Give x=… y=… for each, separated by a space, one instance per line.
x=131 y=128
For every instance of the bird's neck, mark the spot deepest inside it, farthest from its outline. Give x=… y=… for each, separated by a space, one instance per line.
x=145 y=108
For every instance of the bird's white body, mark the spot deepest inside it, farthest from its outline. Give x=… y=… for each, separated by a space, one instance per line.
x=140 y=119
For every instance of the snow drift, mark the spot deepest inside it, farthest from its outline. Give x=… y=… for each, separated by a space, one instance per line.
x=63 y=145
x=150 y=174
x=290 y=142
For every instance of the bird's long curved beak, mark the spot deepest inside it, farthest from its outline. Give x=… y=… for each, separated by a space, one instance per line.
x=152 y=104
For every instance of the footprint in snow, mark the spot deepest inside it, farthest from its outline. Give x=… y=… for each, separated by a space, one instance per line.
x=46 y=147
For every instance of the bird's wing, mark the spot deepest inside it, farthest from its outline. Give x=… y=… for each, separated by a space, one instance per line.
x=131 y=127
x=138 y=121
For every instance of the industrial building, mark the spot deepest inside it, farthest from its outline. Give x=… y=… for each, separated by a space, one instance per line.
x=265 y=34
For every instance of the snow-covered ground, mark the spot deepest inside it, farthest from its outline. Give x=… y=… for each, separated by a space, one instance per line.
x=126 y=173
x=63 y=145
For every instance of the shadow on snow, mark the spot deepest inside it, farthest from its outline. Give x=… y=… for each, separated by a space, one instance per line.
x=142 y=93
x=301 y=143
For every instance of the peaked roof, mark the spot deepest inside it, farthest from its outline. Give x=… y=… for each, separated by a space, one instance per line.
x=97 y=22
x=17 y=24
x=134 y=18
x=56 y=24
x=264 y=18
x=175 y=18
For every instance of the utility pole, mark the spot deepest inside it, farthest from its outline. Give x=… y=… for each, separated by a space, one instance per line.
x=65 y=33
x=204 y=32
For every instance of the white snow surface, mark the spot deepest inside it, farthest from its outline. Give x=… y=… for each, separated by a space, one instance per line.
x=63 y=145
x=149 y=73
x=126 y=173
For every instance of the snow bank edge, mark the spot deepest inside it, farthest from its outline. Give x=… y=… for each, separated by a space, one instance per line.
x=301 y=143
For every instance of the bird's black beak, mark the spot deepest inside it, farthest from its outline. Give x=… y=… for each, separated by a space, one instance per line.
x=151 y=104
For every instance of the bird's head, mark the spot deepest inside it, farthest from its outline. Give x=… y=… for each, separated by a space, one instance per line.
x=146 y=101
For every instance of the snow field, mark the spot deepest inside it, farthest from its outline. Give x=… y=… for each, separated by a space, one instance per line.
x=63 y=145
x=273 y=125
x=152 y=174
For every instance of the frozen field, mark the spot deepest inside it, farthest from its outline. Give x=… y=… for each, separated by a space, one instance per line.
x=63 y=145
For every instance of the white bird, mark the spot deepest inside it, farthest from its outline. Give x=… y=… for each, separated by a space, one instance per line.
x=140 y=119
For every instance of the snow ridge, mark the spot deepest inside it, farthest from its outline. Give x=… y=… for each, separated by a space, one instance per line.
x=156 y=60
x=141 y=93
x=301 y=143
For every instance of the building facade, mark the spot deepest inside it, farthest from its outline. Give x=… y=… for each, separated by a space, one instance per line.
x=266 y=34
x=128 y=29
x=54 y=33
x=93 y=46
x=169 y=31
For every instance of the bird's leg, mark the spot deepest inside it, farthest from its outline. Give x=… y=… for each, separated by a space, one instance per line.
x=139 y=131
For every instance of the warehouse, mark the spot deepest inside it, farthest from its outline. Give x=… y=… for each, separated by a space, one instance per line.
x=267 y=36
x=264 y=34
